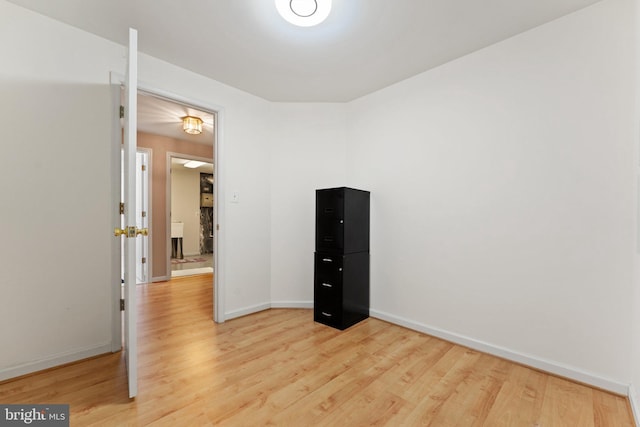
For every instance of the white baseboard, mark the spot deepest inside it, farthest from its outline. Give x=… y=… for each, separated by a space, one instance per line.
x=247 y=310
x=266 y=306
x=292 y=304
x=633 y=399
x=53 y=361
x=550 y=366
x=191 y=271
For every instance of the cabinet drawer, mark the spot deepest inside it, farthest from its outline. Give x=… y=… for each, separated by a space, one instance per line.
x=330 y=235
x=329 y=204
x=328 y=315
x=328 y=268
x=328 y=302
x=326 y=293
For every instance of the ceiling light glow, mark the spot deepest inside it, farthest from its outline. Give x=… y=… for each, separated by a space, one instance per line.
x=304 y=13
x=193 y=164
x=192 y=125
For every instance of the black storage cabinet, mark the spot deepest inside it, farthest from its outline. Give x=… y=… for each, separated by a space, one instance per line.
x=341 y=266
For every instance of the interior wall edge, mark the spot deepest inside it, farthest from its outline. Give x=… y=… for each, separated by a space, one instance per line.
x=549 y=366
x=53 y=361
x=633 y=400
x=246 y=311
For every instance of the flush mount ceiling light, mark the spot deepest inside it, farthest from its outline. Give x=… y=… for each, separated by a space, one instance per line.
x=192 y=164
x=192 y=125
x=304 y=13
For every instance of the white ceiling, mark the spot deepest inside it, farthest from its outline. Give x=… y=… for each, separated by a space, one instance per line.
x=160 y=117
x=363 y=46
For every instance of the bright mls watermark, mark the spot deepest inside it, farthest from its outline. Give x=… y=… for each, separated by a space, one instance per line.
x=34 y=415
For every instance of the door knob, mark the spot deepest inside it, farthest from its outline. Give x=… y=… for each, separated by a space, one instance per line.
x=120 y=231
x=143 y=231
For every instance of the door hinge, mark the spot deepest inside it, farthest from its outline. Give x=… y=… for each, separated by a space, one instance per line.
x=143 y=167
x=122 y=111
x=121 y=208
x=217 y=227
x=144 y=214
x=144 y=260
x=121 y=304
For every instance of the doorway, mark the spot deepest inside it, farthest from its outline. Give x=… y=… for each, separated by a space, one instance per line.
x=161 y=129
x=153 y=121
x=191 y=212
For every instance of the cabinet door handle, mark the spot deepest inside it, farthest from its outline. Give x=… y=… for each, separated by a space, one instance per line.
x=327 y=285
x=327 y=260
x=327 y=314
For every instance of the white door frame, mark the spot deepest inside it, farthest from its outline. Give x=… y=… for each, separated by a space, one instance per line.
x=148 y=152
x=219 y=216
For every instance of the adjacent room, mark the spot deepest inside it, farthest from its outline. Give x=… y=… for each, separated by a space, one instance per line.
x=498 y=145
x=191 y=217
x=182 y=190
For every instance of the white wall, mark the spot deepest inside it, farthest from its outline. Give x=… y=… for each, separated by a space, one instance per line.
x=307 y=153
x=54 y=124
x=55 y=277
x=503 y=195
x=185 y=206
x=635 y=355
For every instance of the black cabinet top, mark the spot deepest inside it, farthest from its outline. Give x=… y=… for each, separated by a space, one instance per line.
x=342 y=188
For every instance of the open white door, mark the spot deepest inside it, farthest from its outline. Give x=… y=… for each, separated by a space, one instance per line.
x=131 y=233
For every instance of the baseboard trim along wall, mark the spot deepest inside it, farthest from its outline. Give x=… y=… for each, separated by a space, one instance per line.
x=266 y=306
x=292 y=304
x=54 y=361
x=246 y=311
x=532 y=361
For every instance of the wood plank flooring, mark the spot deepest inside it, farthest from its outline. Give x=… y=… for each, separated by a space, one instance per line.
x=279 y=368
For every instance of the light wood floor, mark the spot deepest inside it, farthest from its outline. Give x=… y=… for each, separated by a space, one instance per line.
x=278 y=367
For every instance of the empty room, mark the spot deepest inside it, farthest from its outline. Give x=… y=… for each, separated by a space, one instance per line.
x=413 y=212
